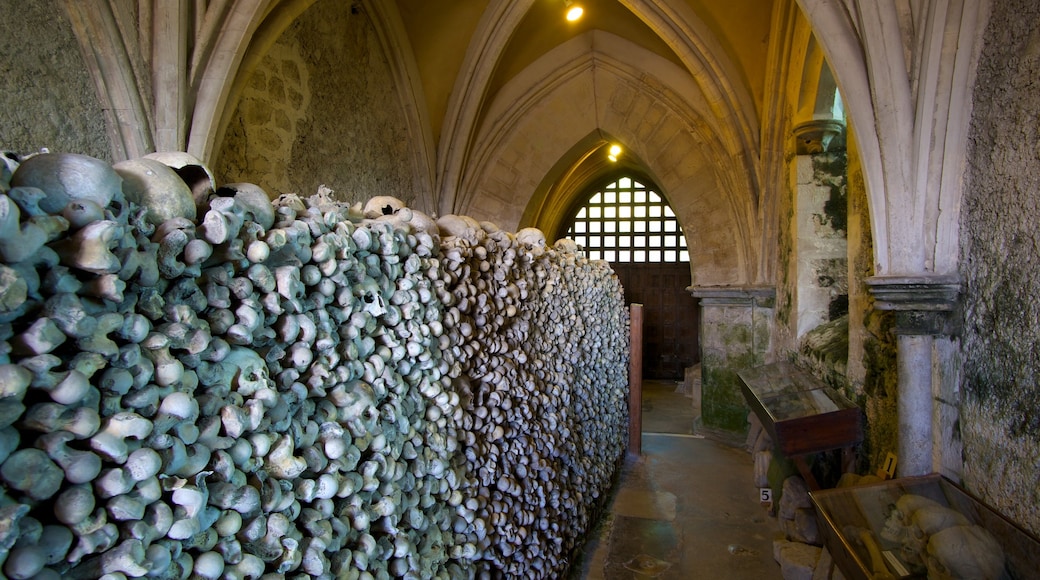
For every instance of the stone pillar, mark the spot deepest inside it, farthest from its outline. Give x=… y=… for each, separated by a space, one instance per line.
x=736 y=323
x=926 y=308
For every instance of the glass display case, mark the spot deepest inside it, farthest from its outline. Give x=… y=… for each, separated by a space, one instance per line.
x=802 y=414
x=922 y=527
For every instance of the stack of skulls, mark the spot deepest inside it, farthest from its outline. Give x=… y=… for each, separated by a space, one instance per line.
x=198 y=381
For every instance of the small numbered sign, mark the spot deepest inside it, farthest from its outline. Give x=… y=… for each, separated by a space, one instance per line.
x=888 y=468
x=765 y=495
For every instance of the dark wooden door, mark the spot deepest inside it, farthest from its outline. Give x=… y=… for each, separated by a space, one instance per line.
x=671 y=321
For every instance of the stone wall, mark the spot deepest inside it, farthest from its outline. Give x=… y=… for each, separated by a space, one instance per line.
x=812 y=286
x=871 y=365
x=49 y=100
x=1000 y=415
x=735 y=335
x=825 y=318
x=322 y=109
x=821 y=263
x=822 y=252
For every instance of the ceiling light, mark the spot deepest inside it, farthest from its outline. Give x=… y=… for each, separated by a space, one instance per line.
x=574 y=11
x=615 y=150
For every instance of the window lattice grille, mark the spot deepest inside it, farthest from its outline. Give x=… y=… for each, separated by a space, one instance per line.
x=628 y=222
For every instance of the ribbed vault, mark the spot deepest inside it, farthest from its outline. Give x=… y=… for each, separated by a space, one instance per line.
x=598 y=85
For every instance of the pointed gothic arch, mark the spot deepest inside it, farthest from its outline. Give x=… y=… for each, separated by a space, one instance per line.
x=625 y=218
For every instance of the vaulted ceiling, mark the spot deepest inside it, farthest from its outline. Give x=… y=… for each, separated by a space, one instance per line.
x=506 y=108
x=738 y=31
x=522 y=103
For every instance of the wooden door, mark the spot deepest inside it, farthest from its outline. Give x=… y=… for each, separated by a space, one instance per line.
x=671 y=321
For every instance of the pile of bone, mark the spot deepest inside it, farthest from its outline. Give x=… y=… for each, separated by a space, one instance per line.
x=200 y=383
x=542 y=342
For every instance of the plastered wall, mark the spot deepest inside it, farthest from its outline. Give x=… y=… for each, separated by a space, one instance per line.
x=1000 y=264
x=48 y=99
x=289 y=126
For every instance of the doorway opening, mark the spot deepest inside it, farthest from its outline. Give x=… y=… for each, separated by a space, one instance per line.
x=626 y=220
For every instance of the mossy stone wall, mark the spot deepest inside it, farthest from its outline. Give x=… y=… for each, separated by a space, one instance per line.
x=735 y=335
x=1000 y=268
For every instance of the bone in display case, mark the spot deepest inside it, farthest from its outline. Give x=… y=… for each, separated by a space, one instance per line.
x=922 y=527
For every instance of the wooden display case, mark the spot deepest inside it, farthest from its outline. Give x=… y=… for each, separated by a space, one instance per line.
x=853 y=523
x=801 y=413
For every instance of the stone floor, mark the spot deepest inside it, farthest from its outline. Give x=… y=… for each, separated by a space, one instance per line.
x=685 y=509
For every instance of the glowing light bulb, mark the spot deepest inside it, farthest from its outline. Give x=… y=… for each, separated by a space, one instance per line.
x=615 y=150
x=574 y=12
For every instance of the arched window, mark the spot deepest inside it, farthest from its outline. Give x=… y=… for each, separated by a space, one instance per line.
x=627 y=221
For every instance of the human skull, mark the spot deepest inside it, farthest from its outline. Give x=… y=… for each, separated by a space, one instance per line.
x=460 y=226
x=253 y=202
x=900 y=515
x=964 y=552
x=913 y=521
x=192 y=171
x=246 y=371
x=421 y=222
x=933 y=519
x=370 y=296
x=382 y=205
x=532 y=237
x=357 y=404
x=567 y=246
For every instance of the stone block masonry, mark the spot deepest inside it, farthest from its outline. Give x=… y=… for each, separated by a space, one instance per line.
x=735 y=327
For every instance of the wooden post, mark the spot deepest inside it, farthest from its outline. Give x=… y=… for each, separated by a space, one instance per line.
x=635 y=381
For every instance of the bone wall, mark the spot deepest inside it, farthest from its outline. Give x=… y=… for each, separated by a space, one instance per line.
x=215 y=386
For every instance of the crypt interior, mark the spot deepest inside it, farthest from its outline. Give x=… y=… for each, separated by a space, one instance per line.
x=854 y=182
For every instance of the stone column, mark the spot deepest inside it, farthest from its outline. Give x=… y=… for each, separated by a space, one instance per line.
x=925 y=308
x=736 y=323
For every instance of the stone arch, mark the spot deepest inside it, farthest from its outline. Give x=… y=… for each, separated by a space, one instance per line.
x=654 y=109
x=398 y=50
x=123 y=97
x=732 y=114
x=227 y=39
x=909 y=102
x=730 y=103
x=818 y=88
x=226 y=60
x=489 y=40
x=563 y=187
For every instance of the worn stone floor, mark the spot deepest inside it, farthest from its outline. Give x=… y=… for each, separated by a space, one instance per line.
x=685 y=509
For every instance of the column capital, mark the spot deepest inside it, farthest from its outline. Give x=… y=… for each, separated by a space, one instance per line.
x=734 y=295
x=924 y=305
x=819 y=136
